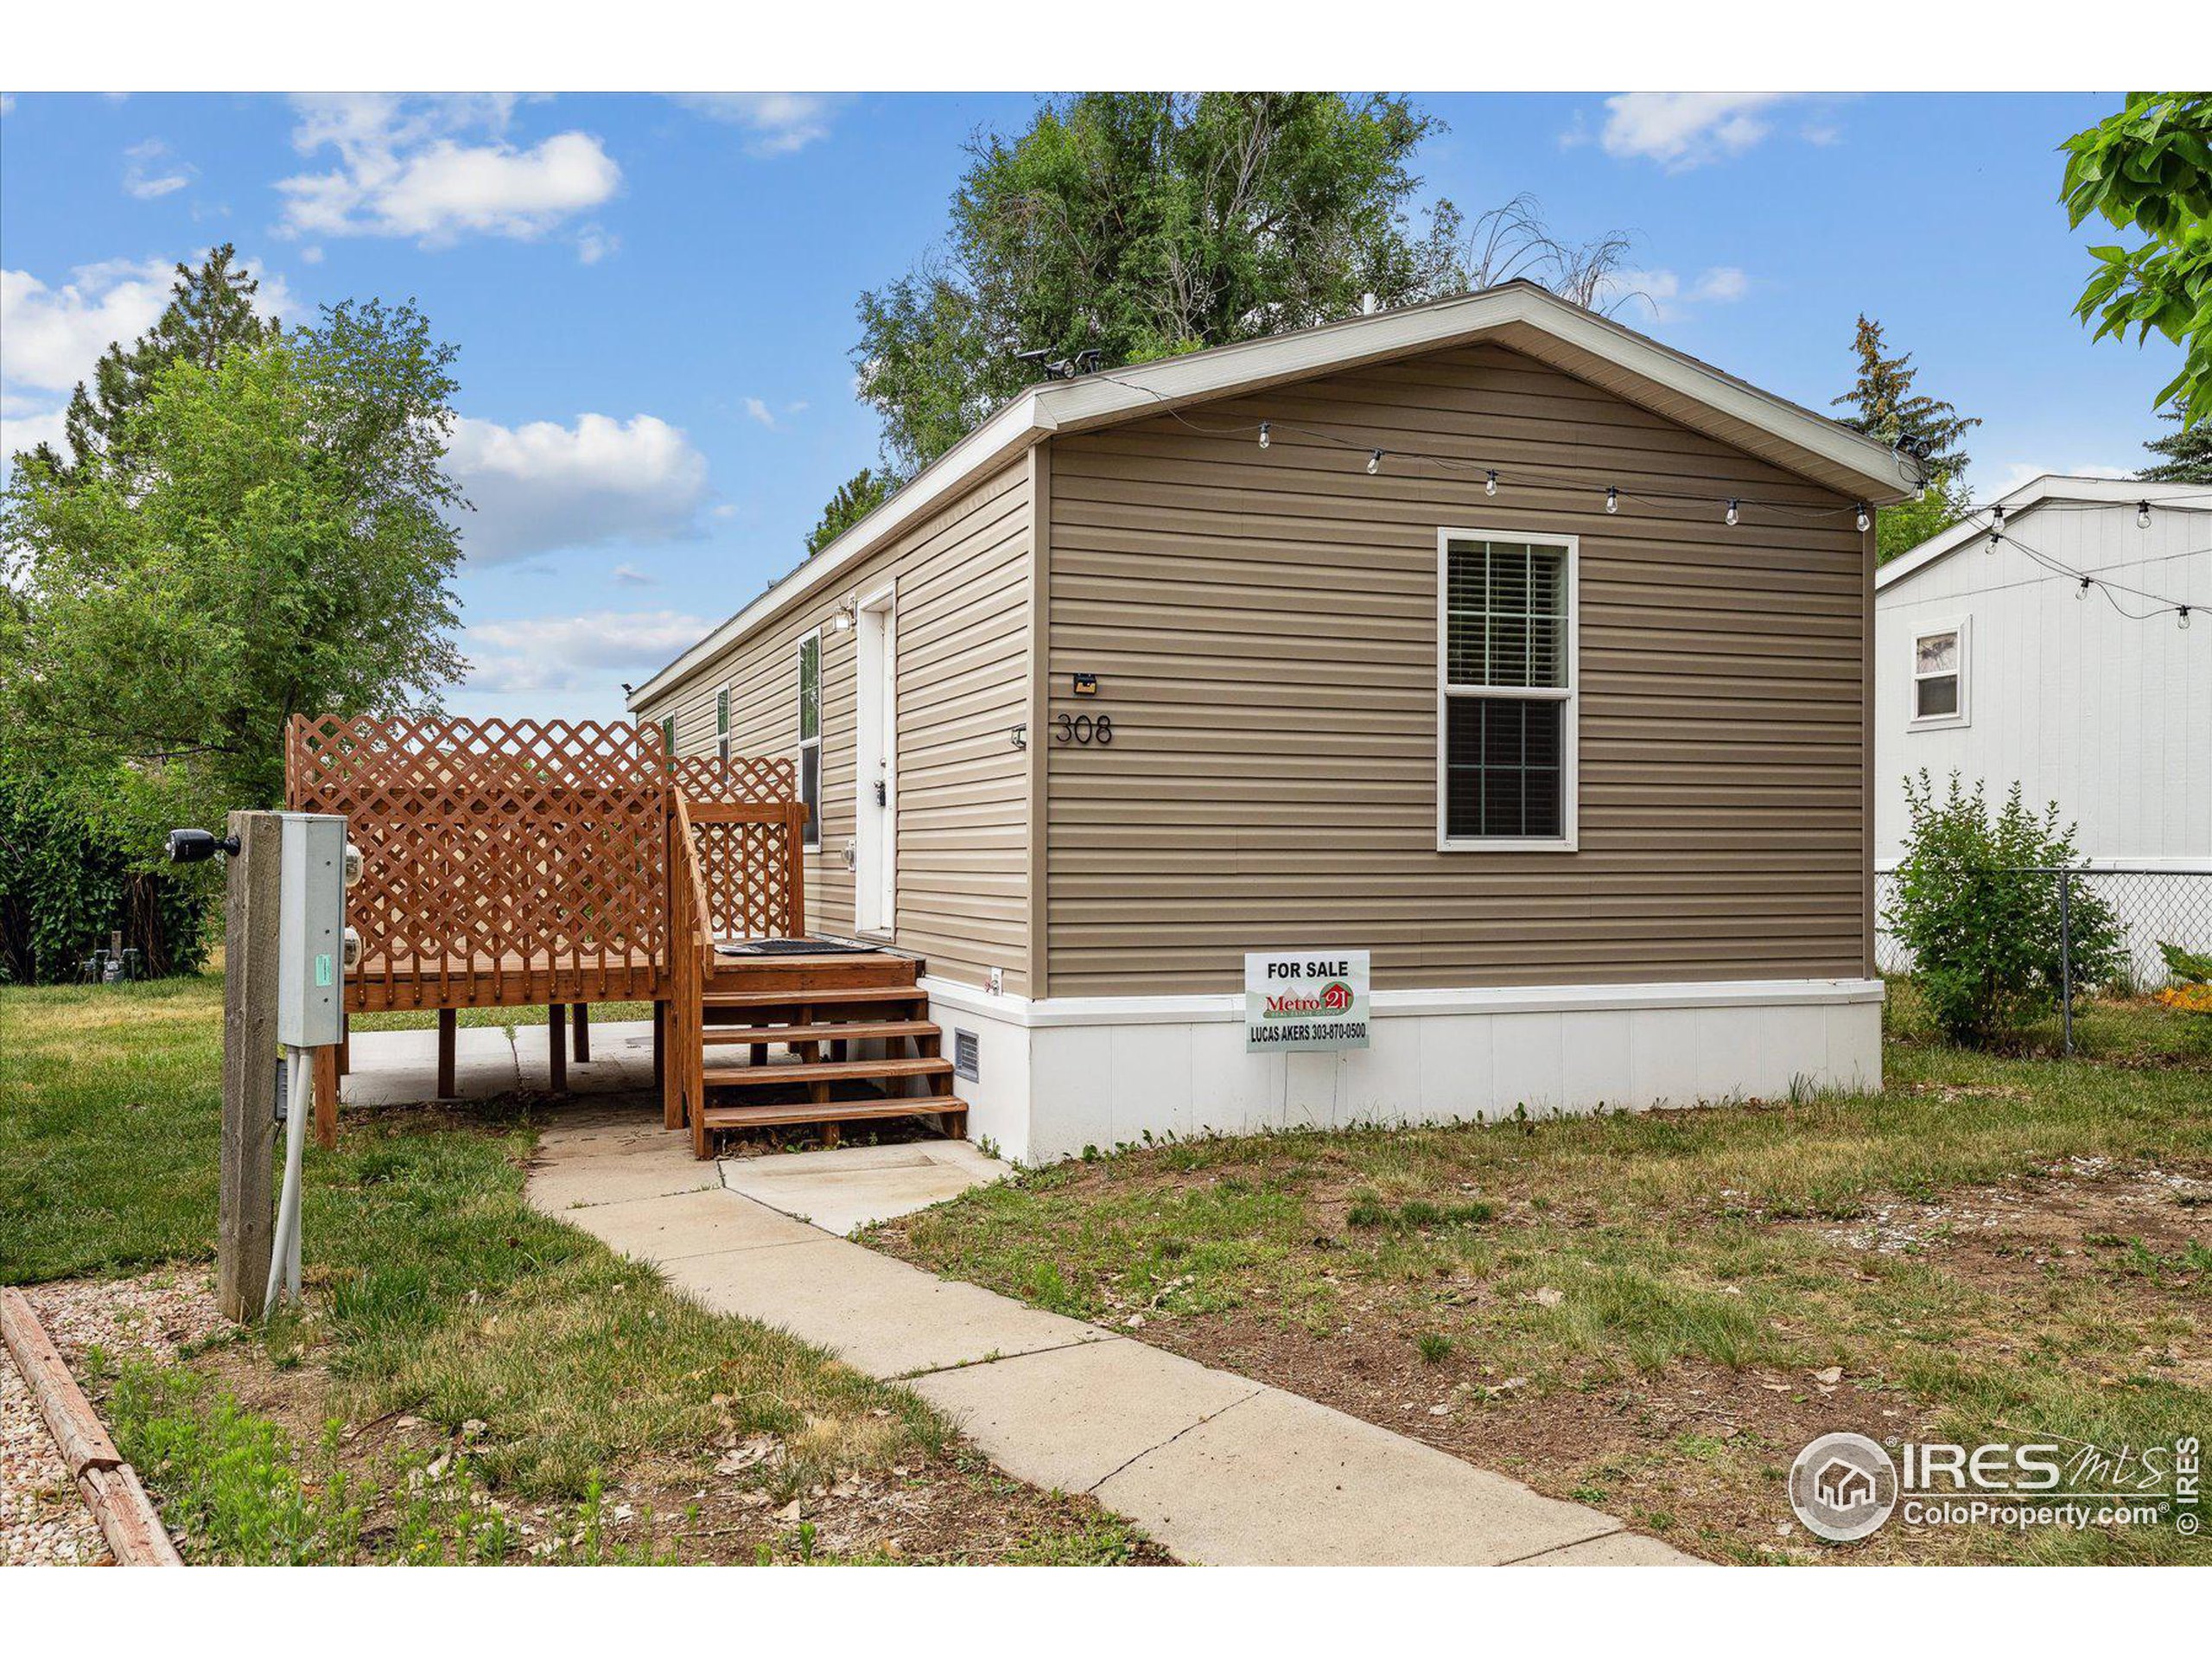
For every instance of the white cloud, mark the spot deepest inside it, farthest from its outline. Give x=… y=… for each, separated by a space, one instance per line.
x=628 y=576
x=563 y=653
x=594 y=242
x=779 y=123
x=1667 y=296
x=437 y=168
x=1685 y=130
x=25 y=426
x=151 y=170
x=545 y=486
x=51 y=337
x=759 y=411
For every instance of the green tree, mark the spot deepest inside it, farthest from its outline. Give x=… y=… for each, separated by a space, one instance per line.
x=1143 y=224
x=1885 y=408
x=264 y=535
x=856 y=497
x=210 y=310
x=2187 y=451
x=2149 y=168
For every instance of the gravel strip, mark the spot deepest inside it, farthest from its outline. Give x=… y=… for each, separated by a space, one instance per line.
x=43 y=1522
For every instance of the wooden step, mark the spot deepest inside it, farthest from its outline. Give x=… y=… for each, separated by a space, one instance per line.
x=740 y=1118
x=755 y=1076
x=713 y=999
x=741 y=1036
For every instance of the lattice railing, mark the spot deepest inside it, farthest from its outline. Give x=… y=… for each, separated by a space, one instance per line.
x=495 y=851
x=749 y=863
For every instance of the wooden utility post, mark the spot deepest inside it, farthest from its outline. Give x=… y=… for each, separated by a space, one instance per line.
x=246 y=1212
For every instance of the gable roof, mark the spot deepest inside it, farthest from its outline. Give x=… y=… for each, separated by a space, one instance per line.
x=2058 y=488
x=1519 y=315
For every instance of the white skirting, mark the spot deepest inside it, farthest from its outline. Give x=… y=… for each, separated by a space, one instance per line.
x=1065 y=1074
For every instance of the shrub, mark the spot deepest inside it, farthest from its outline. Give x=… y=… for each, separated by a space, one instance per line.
x=67 y=881
x=1983 y=930
x=2192 y=992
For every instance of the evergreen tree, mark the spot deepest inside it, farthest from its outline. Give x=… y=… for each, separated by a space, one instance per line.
x=856 y=497
x=1888 y=409
x=2188 y=451
x=210 y=310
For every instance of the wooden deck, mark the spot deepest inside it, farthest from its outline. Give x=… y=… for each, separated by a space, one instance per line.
x=517 y=863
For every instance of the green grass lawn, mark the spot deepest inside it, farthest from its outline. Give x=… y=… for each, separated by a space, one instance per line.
x=1653 y=1312
x=435 y=1291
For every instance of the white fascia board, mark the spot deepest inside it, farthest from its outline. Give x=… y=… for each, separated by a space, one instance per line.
x=1097 y=398
x=2049 y=486
x=1012 y=429
x=1225 y=1008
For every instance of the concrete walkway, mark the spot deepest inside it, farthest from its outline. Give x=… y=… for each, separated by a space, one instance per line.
x=1217 y=1468
x=397 y=1068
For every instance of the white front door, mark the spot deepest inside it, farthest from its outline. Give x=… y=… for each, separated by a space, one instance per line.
x=875 y=862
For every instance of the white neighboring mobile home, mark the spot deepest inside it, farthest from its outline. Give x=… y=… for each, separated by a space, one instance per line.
x=1991 y=662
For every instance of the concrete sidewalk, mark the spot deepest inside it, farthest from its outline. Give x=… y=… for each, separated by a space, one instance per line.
x=1217 y=1468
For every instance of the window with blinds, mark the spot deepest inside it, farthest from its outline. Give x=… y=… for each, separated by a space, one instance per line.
x=722 y=726
x=1506 y=700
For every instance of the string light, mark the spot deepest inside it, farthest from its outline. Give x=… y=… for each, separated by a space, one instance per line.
x=2182 y=620
x=1375 y=461
x=2082 y=592
x=1612 y=499
x=1732 y=510
x=2142 y=515
x=1264 y=435
x=1864 y=519
x=1489 y=484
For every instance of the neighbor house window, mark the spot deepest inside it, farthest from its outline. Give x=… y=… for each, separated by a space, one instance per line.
x=1939 y=675
x=809 y=735
x=722 y=726
x=1505 y=715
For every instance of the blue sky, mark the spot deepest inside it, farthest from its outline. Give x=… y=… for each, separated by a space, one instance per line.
x=653 y=298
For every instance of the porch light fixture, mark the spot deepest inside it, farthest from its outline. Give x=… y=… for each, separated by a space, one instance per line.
x=843 y=621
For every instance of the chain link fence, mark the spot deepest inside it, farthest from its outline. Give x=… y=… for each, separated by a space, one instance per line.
x=2154 y=905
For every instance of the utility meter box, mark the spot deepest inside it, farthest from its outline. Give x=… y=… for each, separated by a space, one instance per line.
x=311 y=930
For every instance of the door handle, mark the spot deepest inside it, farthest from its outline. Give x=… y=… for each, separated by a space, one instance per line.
x=882 y=797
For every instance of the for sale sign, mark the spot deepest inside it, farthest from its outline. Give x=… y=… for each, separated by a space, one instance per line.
x=1305 y=999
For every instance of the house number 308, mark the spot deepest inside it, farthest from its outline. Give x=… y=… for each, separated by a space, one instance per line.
x=1082 y=728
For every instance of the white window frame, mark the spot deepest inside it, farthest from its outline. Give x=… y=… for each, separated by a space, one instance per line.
x=1569 y=695
x=721 y=724
x=1916 y=721
x=810 y=837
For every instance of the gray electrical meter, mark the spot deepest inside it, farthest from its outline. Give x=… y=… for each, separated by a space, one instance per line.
x=311 y=930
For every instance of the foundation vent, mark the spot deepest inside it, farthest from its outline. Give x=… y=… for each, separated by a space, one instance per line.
x=966 y=1055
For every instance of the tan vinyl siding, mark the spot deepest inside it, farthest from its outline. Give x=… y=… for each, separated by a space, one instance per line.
x=963 y=626
x=1263 y=626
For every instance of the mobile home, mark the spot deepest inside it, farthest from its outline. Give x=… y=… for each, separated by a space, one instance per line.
x=1508 y=664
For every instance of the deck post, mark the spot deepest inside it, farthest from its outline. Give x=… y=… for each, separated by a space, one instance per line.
x=582 y=1012
x=326 y=1096
x=661 y=1033
x=448 y=1040
x=557 y=1053
x=245 y=1217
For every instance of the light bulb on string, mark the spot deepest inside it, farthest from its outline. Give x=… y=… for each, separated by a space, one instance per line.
x=1612 y=499
x=1864 y=519
x=2082 y=592
x=1264 y=435
x=2142 y=515
x=1489 y=484
x=1730 y=514
x=1375 y=461
x=2182 y=621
